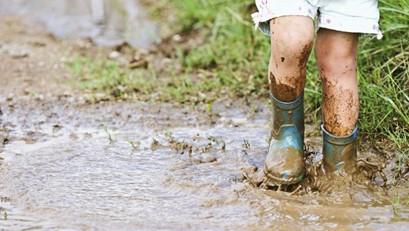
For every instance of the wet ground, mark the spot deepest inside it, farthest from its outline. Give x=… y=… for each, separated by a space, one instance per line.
x=128 y=166
x=66 y=164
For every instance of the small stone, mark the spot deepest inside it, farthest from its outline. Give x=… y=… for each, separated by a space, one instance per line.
x=114 y=55
x=379 y=180
x=10 y=97
x=207 y=158
x=177 y=38
x=18 y=54
x=56 y=128
x=141 y=63
x=154 y=145
x=236 y=122
x=39 y=97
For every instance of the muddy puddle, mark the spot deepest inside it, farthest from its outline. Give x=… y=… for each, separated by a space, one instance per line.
x=149 y=167
x=68 y=165
x=105 y=22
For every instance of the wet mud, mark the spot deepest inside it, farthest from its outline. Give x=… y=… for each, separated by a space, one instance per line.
x=282 y=91
x=66 y=164
x=132 y=166
x=294 y=83
x=340 y=108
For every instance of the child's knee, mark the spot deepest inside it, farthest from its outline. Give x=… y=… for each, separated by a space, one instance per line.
x=336 y=61
x=293 y=47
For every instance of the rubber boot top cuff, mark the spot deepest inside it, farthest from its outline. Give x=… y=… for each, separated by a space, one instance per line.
x=288 y=105
x=340 y=140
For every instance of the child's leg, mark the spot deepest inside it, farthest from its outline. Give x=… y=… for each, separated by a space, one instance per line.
x=291 y=42
x=336 y=56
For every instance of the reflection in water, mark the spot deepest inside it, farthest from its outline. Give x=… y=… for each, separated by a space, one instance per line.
x=106 y=22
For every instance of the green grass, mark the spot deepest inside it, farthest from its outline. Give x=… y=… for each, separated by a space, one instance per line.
x=104 y=76
x=106 y=80
x=238 y=55
x=232 y=61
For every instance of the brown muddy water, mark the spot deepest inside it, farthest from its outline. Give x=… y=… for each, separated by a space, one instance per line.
x=68 y=165
x=105 y=22
x=139 y=166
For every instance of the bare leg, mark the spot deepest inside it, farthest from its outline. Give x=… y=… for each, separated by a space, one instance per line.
x=336 y=56
x=291 y=44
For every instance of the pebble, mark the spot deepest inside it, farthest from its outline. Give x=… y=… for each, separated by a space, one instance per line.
x=379 y=180
x=114 y=55
x=177 y=38
x=19 y=54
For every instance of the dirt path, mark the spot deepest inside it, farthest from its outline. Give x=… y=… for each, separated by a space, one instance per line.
x=32 y=61
x=68 y=164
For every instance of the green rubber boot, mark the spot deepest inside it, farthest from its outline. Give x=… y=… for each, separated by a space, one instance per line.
x=339 y=152
x=284 y=164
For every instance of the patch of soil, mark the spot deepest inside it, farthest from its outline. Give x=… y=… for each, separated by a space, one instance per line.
x=32 y=61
